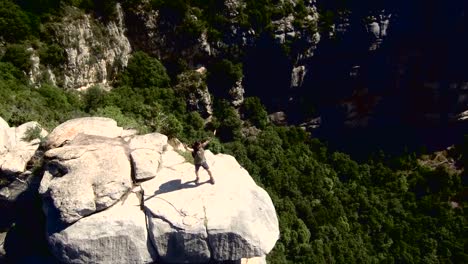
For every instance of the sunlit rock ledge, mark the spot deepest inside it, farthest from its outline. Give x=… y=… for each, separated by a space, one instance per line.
x=111 y=196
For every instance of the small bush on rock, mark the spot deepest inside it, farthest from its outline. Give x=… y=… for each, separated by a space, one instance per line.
x=33 y=133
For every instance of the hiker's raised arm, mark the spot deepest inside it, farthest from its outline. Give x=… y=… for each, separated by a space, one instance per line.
x=187 y=147
x=206 y=142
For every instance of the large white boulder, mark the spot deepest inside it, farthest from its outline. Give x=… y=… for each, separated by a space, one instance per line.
x=146 y=154
x=97 y=126
x=4 y=136
x=116 y=235
x=145 y=163
x=94 y=215
x=15 y=149
x=87 y=175
x=255 y=260
x=3 y=123
x=154 y=141
x=189 y=222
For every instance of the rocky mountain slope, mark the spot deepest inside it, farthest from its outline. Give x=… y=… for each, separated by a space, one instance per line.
x=110 y=196
x=339 y=65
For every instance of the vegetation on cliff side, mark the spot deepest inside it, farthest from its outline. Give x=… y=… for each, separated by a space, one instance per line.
x=331 y=208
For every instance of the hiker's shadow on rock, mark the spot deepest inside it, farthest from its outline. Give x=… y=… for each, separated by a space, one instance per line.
x=175 y=185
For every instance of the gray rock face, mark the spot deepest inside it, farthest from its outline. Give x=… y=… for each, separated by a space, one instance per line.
x=229 y=220
x=278 y=118
x=284 y=28
x=377 y=28
x=233 y=7
x=297 y=76
x=237 y=94
x=95 y=53
x=90 y=174
x=287 y=31
x=463 y=116
x=10 y=193
x=2 y=242
x=177 y=246
x=34 y=73
x=117 y=235
x=98 y=126
x=192 y=84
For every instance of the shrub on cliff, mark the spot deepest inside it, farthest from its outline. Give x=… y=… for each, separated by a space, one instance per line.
x=223 y=75
x=144 y=71
x=21 y=103
x=53 y=55
x=93 y=98
x=172 y=10
x=226 y=121
x=255 y=112
x=19 y=56
x=122 y=120
x=14 y=22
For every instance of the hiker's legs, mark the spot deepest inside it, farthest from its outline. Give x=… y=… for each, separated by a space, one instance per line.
x=198 y=178
x=197 y=167
x=211 y=176
x=207 y=168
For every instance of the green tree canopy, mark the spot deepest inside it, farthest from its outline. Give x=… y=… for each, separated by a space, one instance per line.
x=14 y=23
x=144 y=71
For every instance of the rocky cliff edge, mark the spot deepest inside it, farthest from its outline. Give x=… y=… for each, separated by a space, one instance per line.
x=111 y=196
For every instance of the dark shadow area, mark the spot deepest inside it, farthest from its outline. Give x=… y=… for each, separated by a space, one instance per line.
x=26 y=240
x=175 y=185
x=209 y=262
x=394 y=141
x=267 y=73
x=412 y=85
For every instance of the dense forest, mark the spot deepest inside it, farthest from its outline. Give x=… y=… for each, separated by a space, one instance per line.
x=405 y=208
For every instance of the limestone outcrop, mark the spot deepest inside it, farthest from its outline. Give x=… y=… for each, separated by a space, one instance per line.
x=99 y=209
x=95 y=53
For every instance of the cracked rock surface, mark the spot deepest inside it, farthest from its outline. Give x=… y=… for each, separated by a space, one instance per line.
x=117 y=235
x=96 y=213
x=89 y=174
x=146 y=154
x=190 y=222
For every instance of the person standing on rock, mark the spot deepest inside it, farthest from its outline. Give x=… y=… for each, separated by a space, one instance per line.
x=198 y=154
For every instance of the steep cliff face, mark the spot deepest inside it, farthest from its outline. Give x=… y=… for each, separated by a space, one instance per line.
x=95 y=51
x=352 y=64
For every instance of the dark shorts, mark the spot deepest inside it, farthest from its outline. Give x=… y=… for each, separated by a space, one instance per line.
x=203 y=164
